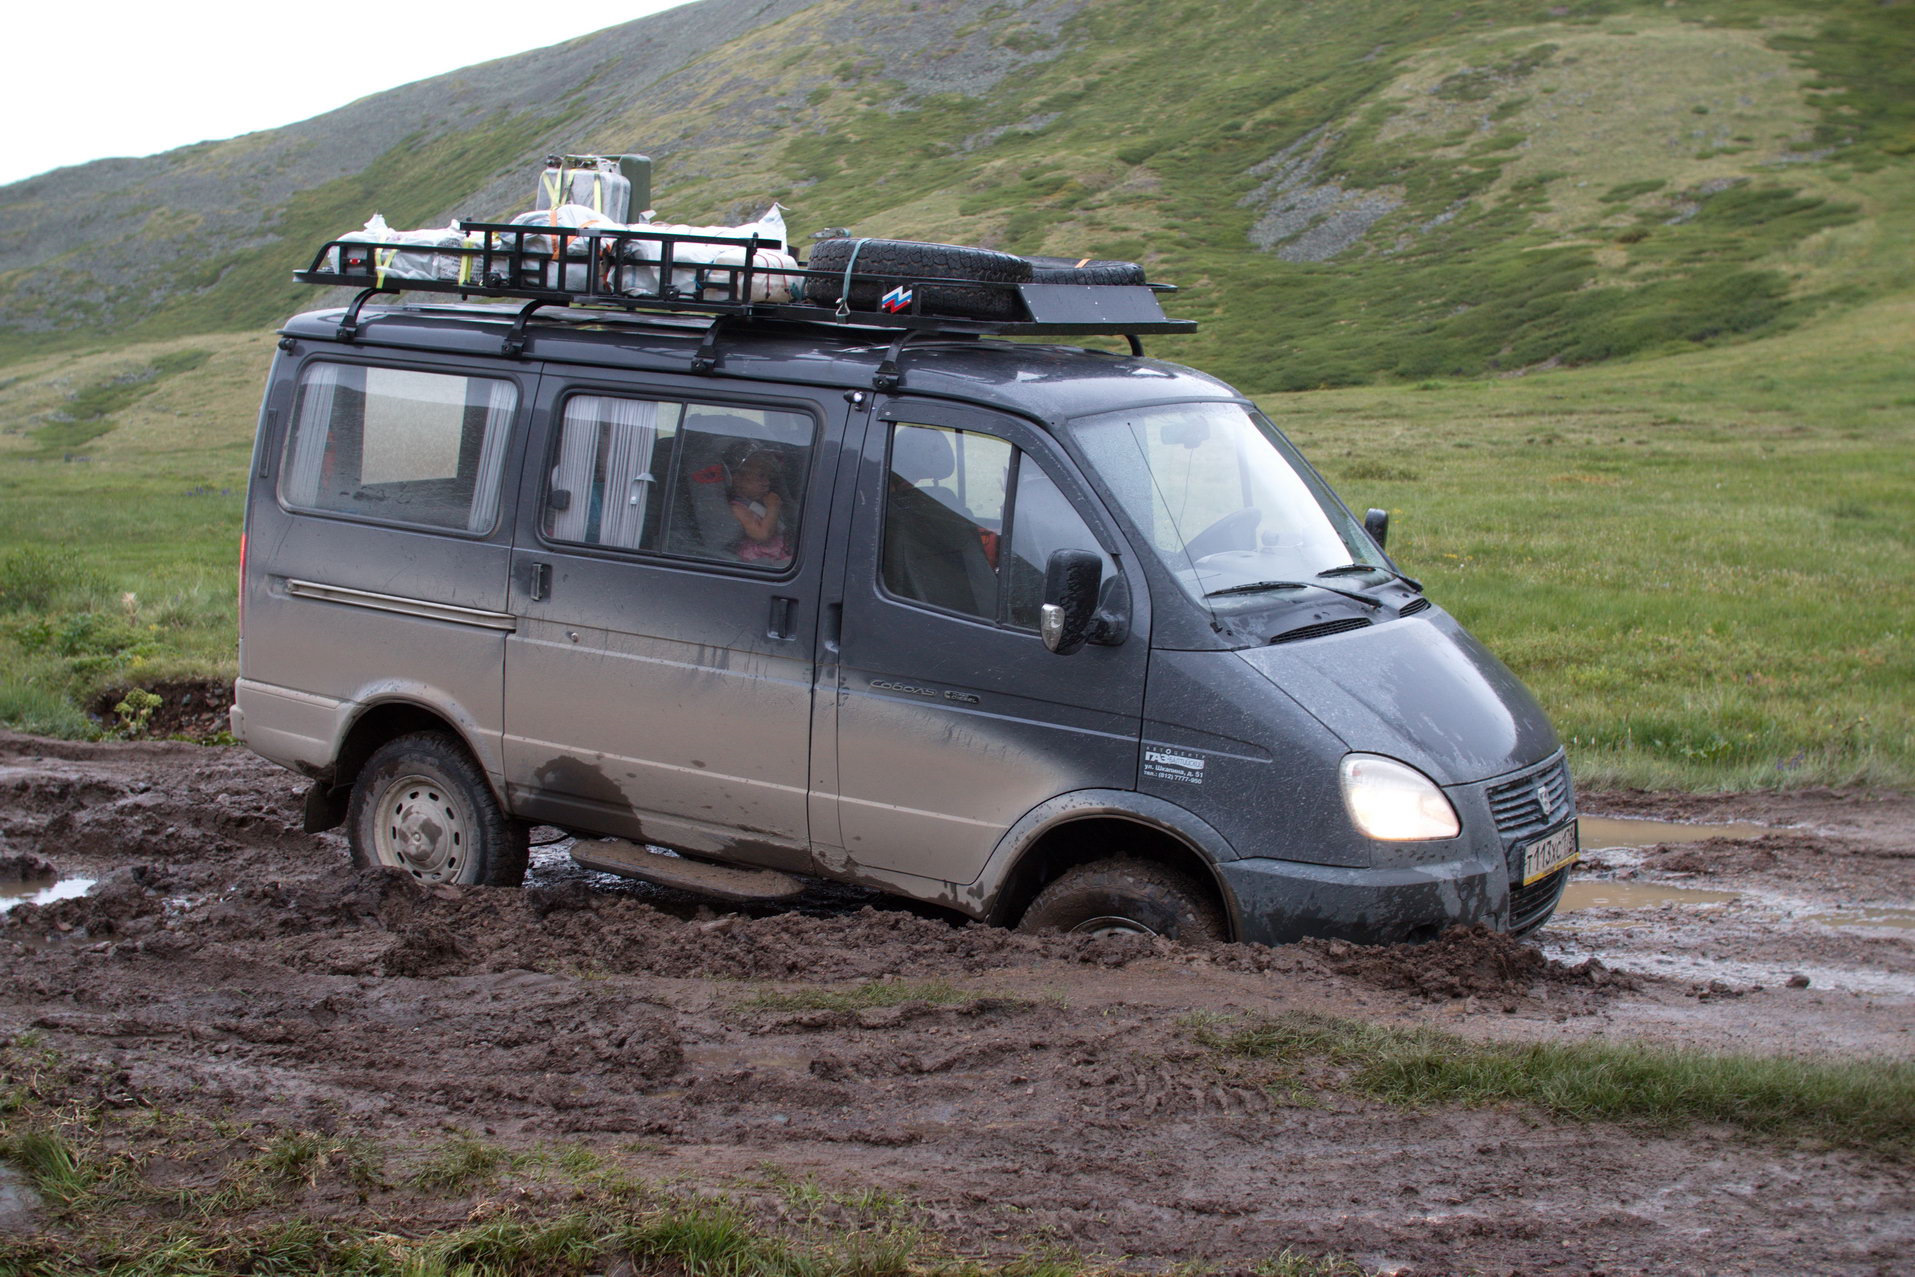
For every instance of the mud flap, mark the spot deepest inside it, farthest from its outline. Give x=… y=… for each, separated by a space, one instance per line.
x=325 y=807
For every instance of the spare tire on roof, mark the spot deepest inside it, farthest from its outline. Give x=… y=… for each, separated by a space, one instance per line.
x=1068 y=270
x=915 y=260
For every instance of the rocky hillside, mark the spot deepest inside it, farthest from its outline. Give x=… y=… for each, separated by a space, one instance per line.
x=1348 y=190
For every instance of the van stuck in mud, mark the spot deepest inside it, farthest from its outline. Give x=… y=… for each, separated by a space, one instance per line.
x=738 y=568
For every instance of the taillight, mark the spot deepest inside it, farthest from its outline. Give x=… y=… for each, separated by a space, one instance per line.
x=242 y=583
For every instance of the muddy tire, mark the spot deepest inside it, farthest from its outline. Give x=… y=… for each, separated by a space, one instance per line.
x=1127 y=897
x=1068 y=270
x=903 y=257
x=421 y=804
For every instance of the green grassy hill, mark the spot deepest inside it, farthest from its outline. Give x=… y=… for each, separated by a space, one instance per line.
x=1350 y=190
x=1620 y=298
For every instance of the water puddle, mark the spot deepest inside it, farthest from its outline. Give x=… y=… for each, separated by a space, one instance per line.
x=1636 y=895
x=1614 y=831
x=1900 y=918
x=41 y=892
x=1689 y=966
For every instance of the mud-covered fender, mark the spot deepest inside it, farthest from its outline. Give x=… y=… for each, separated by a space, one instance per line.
x=487 y=745
x=980 y=898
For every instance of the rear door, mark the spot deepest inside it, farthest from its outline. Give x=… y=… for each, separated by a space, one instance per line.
x=665 y=578
x=378 y=549
x=953 y=719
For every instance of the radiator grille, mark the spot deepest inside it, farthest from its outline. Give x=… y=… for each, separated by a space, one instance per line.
x=1532 y=802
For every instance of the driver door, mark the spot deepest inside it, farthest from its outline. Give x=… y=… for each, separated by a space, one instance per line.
x=952 y=718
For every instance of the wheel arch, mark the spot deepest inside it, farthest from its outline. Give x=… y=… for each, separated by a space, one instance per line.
x=1089 y=825
x=382 y=721
x=376 y=723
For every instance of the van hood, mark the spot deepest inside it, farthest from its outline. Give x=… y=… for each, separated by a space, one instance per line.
x=1419 y=690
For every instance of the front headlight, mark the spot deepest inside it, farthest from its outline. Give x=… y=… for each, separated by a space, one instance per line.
x=1392 y=802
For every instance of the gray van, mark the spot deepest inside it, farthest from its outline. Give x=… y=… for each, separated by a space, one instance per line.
x=1047 y=636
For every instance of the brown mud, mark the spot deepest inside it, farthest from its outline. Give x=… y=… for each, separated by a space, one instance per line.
x=1023 y=1092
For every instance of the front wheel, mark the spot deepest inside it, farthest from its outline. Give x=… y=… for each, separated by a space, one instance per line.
x=1126 y=897
x=422 y=805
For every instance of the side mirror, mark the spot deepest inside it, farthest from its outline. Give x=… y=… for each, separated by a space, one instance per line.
x=1071 y=578
x=1377 y=524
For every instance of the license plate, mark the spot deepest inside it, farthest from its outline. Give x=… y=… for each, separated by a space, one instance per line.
x=1546 y=855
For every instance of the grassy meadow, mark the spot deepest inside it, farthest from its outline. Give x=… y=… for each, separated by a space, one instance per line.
x=1700 y=564
x=119 y=532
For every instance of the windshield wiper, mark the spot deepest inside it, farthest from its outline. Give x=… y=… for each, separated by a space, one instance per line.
x=1257 y=587
x=1351 y=569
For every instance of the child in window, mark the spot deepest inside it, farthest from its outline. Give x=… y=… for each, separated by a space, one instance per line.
x=759 y=509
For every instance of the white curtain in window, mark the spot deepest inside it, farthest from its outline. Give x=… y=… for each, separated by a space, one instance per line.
x=628 y=473
x=312 y=432
x=578 y=451
x=501 y=397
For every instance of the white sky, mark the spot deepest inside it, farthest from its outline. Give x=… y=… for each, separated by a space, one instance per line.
x=133 y=79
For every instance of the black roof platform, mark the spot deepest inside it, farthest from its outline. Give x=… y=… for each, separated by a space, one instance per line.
x=657 y=271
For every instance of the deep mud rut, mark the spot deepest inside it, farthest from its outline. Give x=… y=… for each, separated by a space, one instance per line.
x=225 y=964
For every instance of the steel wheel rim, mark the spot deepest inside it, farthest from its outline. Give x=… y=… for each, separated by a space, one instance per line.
x=1111 y=925
x=422 y=828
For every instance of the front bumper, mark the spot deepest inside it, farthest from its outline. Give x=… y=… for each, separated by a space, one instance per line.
x=1279 y=901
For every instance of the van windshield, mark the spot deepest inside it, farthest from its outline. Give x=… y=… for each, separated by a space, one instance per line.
x=1226 y=503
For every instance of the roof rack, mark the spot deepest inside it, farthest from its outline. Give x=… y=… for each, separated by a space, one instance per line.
x=642 y=270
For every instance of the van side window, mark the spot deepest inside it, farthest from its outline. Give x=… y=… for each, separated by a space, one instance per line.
x=722 y=484
x=970 y=523
x=399 y=446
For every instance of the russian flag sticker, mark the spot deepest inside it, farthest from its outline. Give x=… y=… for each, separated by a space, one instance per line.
x=897 y=299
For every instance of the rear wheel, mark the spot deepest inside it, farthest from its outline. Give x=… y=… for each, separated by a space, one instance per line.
x=1127 y=897
x=421 y=804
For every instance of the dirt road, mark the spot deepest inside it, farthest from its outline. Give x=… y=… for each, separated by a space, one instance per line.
x=1030 y=1093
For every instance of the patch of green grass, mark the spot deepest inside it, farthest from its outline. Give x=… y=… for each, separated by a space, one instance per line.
x=460 y=1164
x=51 y=1164
x=118 y=568
x=1474 y=84
x=1296 y=1263
x=88 y=414
x=710 y=1236
x=292 y=1248
x=1867 y=1104
x=811 y=1199
x=36 y=578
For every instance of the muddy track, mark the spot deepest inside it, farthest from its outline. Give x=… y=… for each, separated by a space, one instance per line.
x=1044 y=1090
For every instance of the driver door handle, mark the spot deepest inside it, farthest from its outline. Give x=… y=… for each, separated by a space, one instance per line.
x=784 y=613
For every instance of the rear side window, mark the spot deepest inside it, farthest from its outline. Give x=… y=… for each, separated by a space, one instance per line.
x=399 y=446
x=700 y=481
x=970 y=523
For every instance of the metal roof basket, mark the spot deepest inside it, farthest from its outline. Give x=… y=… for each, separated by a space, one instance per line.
x=641 y=270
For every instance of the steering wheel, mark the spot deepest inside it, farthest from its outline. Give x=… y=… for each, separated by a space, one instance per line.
x=1235 y=531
